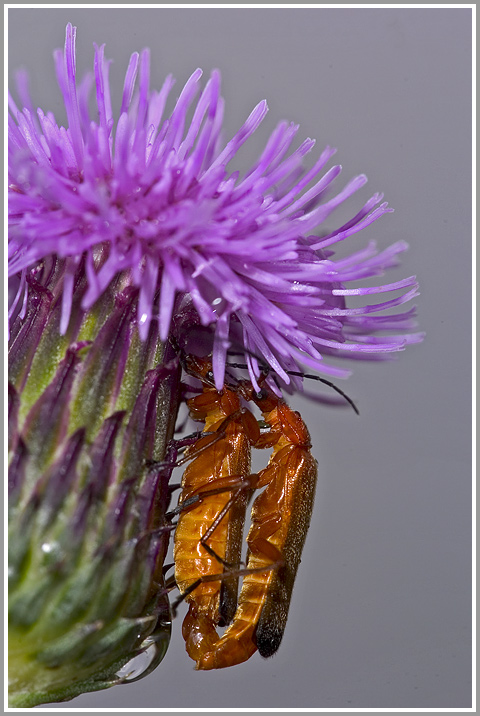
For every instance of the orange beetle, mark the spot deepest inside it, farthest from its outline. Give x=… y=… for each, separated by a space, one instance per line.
x=209 y=531
x=280 y=520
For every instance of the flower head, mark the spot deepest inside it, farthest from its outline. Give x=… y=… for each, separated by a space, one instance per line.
x=152 y=198
x=130 y=238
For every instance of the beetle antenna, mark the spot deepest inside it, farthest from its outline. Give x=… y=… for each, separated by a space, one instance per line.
x=310 y=376
x=326 y=382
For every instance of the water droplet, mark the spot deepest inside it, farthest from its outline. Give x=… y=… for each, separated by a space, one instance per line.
x=51 y=552
x=143 y=318
x=216 y=301
x=154 y=649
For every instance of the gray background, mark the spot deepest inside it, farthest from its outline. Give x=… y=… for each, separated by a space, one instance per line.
x=381 y=611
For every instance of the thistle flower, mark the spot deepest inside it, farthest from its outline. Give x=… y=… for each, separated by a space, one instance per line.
x=157 y=196
x=124 y=234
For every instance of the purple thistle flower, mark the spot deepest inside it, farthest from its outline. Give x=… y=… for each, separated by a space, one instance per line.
x=129 y=239
x=151 y=198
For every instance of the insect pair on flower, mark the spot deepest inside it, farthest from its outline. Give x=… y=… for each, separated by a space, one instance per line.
x=119 y=228
x=216 y=488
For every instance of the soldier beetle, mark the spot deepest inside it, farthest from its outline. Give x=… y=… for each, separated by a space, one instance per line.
x=280 y=518
x=209 y=530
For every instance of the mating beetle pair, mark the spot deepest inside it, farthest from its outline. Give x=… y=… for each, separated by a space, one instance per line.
x=216 y=488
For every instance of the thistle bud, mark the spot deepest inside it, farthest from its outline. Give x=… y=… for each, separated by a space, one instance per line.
x=90 y=416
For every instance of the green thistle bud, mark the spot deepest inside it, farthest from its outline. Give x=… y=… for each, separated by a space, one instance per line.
x=90 y=417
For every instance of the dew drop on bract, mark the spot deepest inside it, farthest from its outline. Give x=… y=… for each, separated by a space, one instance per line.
x=151 y=653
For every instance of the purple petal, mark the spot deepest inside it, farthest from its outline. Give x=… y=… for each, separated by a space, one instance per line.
x=154 y=196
